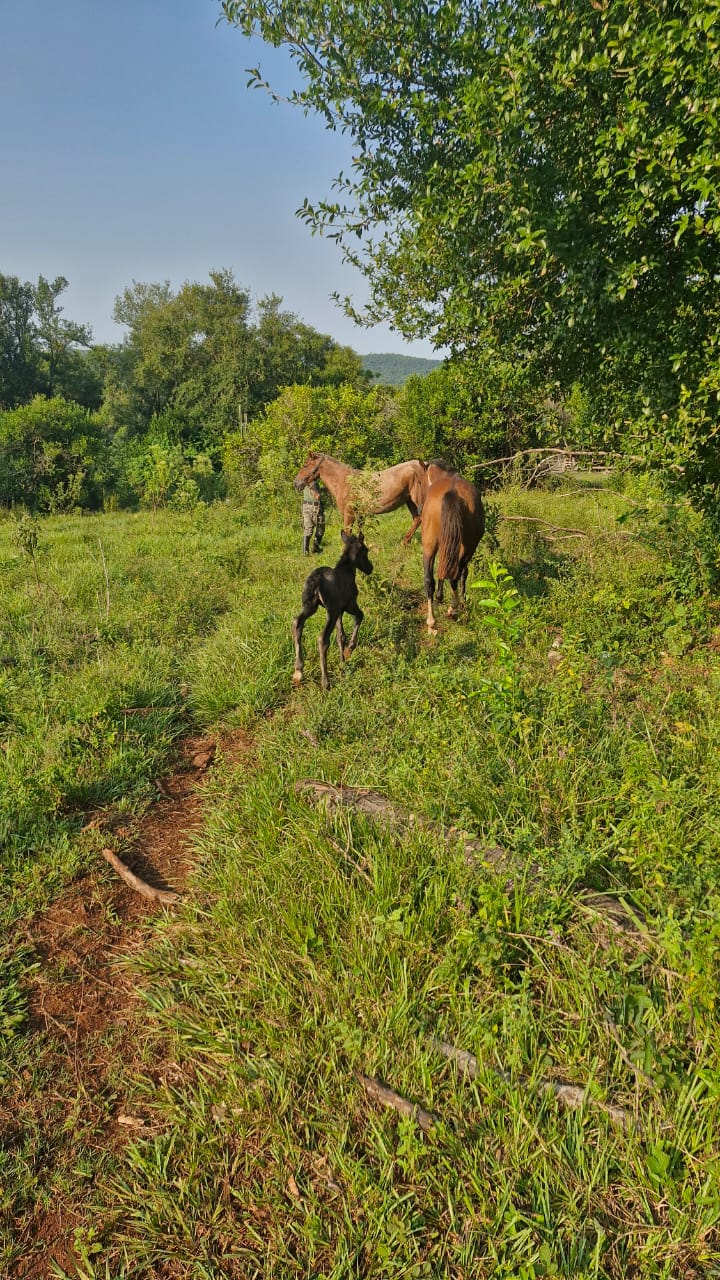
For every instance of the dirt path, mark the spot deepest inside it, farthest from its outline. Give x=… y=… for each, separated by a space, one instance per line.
x=85 y=1013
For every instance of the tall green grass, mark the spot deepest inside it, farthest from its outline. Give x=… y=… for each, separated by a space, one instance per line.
x=127 y=612
x=581 y=734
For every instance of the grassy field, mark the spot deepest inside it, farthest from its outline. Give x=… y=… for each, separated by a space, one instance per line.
x=570 y=719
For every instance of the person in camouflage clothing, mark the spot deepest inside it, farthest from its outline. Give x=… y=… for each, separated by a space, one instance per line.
x=313 y=517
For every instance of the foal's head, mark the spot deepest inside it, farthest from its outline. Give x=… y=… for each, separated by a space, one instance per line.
x=355 y=552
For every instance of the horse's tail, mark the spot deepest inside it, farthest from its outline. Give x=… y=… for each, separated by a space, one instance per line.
x=450 y=547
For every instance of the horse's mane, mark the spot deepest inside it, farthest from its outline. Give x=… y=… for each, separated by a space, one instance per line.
x=444 y=465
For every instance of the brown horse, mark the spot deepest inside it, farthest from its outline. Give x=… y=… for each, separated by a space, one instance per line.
x=453 y=522
x=374 y=493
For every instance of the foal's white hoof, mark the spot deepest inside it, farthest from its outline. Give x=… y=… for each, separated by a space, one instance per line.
x=297 y=677
x=452 y=613
x=432 y=631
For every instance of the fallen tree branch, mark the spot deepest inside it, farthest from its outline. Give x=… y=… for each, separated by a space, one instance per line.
x=571 y=1096
x=557 y=528
x=379 y=809
x=476 y=853
x=389 y=1098
x=566 y=453
x=166 y=896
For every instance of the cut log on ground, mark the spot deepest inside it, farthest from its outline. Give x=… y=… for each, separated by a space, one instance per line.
x=477 y=853
x=614 y=911
x=381 y=810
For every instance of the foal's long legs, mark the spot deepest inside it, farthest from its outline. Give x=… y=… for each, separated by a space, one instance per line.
x=308 y=609
x=339 y=632
x=346 y=647
x=323 y=643
x=334 y=622
x=358 y=615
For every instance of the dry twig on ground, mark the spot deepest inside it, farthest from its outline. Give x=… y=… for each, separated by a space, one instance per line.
x=571 y=1096
x=375 y=1089
x=165 y=896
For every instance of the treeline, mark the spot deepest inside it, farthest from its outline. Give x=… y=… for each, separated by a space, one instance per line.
x=209 y=394
x=144 y=421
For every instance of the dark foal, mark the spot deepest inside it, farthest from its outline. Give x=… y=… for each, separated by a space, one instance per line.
x=336 y=589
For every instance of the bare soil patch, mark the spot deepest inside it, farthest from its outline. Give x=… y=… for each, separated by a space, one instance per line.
x=85 y=1013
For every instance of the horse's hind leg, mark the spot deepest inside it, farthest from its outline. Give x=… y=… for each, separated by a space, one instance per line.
x=463 y=581
x=297 y=629
x=429 y=581
x=417 y=520
x=339 y=632
x=458 y=590
x=323 y=646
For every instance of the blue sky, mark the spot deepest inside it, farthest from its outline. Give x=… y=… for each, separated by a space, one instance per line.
x=132 y=149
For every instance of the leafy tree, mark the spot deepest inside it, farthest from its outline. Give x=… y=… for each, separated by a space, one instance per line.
x=40 y=351
x=198 y=362
x=82 y=376
x=18 y=356
x=164 y=358
x=539 y=179
x=468 y=412
x=291 y=352
x=56 y=337
x=336 y=365
x=161 y=474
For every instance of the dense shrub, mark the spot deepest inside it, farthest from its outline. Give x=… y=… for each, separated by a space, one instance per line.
x=350 y=422
x=53 y=457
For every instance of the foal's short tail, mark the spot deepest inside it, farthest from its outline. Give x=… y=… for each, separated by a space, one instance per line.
x=450 y=548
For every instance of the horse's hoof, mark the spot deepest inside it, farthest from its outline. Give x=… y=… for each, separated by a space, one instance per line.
x=432 y=631
x=297 y=677
x=452 y=613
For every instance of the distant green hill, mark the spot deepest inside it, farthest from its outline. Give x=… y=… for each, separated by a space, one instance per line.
x=393 y=370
